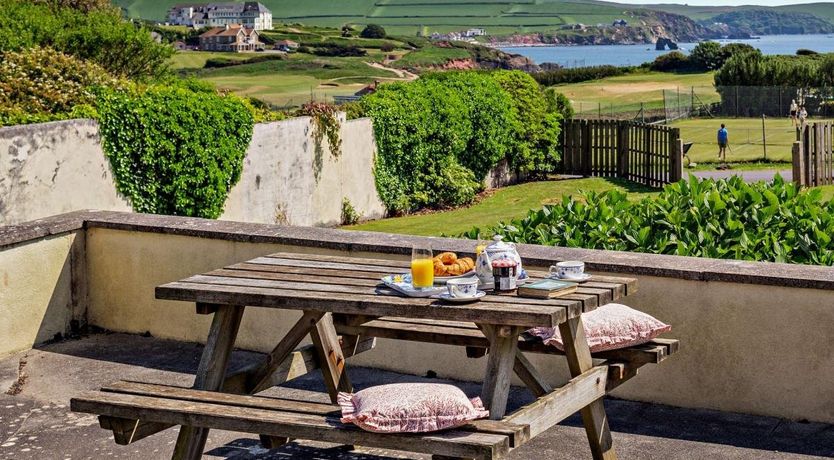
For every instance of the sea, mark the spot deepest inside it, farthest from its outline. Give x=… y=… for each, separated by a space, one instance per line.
x=629 y=55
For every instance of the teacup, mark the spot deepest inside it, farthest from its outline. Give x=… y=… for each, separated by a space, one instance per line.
x=568 y=269
x=462 y=288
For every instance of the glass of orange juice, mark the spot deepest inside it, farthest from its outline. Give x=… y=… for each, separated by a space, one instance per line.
x=422 y=267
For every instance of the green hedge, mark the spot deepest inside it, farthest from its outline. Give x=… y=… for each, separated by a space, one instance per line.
x=726 y=219
x=438 y=137
x=175 y=150
x=579 y=74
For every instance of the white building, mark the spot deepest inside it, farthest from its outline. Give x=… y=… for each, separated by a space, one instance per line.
x=253 y=15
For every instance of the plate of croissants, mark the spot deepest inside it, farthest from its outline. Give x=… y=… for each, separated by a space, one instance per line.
x=447 y=265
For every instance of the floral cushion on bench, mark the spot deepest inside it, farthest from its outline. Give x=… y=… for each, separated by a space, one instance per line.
x=410 y=408
x=609 y=327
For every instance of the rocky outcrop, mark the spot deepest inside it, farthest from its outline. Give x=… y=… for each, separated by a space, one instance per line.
x=663 y=43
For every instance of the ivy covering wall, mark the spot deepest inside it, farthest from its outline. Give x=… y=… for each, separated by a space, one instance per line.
x=438 y=137
x=175 y=150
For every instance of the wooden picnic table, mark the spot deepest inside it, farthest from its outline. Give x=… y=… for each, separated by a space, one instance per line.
x=348 y=289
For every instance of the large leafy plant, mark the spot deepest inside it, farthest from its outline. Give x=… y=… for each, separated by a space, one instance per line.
x=727 y=219
x=175 y=150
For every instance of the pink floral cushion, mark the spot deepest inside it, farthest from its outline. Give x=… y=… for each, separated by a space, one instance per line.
x=409 y=408
x=610 y=327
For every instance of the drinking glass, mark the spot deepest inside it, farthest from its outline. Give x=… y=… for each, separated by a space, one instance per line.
x=422 y=267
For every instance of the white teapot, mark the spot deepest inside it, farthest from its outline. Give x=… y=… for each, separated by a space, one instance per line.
x=496 y=251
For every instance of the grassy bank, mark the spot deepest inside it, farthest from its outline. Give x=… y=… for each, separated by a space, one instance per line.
x=503 y=204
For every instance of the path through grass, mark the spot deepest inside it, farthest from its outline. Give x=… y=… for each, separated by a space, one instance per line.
x=506 y=203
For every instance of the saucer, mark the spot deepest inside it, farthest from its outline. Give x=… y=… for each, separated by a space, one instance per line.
x=447 y=298
x=575 y=279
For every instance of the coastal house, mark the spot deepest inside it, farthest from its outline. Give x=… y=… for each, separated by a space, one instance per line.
x=253 y=15
x=286 y=45
x=235 y=37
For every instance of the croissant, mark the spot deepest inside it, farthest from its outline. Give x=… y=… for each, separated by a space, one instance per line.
x=448 y=264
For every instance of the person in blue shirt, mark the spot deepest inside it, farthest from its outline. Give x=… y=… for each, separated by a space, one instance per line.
x=723 y=141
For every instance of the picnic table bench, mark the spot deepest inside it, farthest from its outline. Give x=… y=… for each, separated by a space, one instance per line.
x=345 y=308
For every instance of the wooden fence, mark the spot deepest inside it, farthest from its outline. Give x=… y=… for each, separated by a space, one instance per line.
x=648 y=154
x=813 y=154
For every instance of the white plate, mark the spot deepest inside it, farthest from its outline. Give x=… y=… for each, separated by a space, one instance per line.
x=443 y=279
x=577 y=279
x=447 y=298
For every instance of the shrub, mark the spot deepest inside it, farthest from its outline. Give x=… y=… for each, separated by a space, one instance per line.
x=560 y=76
x=101 y=36
x=173 y=150
x=386 y=47
x=707 y=56
x=727 y=219
x=420 y=128
x=805 y=52
x=755 y=69
x=373 y=31
x=349 y=214
x=333 y=49
x=534 y=143
x=672 y=62
x=220 y=62
x=41 y=84
x=559 y=103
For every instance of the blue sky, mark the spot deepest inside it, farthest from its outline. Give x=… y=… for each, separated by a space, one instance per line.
x=720 y=2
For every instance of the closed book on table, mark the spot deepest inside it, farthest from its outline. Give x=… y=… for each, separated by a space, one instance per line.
x=546 y=289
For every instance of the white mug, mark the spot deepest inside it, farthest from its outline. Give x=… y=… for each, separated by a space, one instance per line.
x=462 y=288
x=568 y=269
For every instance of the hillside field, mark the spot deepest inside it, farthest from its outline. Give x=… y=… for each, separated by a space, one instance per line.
x=407 y=17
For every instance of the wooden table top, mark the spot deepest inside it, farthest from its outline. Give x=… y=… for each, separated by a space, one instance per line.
x=351 y=285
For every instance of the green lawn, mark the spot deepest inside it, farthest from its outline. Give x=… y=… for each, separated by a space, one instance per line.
x=291 y=82
x=506 y=203
x=187 y=60
x=746 y=138
x=626 y=93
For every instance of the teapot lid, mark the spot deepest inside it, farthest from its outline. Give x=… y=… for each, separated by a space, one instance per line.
x=498 y=243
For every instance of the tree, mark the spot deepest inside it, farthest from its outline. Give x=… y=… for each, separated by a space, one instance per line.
x=347 y=30
x=373 y=31
x=386 y=47
x=826 y=71
x=671 y=62
x=707 y=56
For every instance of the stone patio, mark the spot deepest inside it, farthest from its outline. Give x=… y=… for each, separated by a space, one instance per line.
x=35 y=421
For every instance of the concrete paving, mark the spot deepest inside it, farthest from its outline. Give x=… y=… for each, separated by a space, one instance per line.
x=35 y=421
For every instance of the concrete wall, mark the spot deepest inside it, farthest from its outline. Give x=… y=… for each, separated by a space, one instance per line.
x=749 y=348
x=37 y=296
x=288 y=179
x=52 y=168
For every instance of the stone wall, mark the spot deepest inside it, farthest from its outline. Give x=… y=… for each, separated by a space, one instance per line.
x=52 y=168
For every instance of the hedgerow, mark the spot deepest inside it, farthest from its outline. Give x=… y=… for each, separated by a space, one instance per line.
x=726 y=219
x=438 y=137
x=175 y=150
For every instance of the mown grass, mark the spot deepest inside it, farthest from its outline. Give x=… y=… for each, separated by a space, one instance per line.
x=746 y=138
x=293 y=81
x=627 y=93
x=190 y=60
x=505 y=203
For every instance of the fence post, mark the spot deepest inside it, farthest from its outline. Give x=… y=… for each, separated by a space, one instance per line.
x=798 y=165
x=622 y=148
x=586 y=148
x=675 y=156
x=764 y=137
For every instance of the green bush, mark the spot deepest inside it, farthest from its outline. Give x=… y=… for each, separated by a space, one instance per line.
x=726 y=219
x=439 y=136
x=674 y=61
x=174 y=150
x=373 y=31
x=559 y=103
x=333 y=49
x=533 y=147
x=99 y=35
x=579 y=74
x=420 y=129
x=41 y=84
x=226 y=62
x=707 y=56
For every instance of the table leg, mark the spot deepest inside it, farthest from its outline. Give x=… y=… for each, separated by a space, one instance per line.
x=503 y=344
x=593 y=415
x=210 y=375
x=331 y=358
